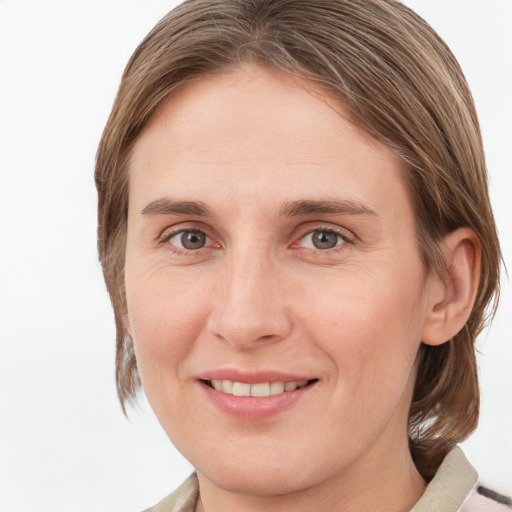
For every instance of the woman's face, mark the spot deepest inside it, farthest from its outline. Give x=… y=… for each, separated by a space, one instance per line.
x=272 y=242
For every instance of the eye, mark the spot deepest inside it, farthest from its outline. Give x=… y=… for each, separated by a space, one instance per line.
x=322 y=239
x=188 y=239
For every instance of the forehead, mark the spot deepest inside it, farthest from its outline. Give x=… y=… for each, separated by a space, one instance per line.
x=256 y=129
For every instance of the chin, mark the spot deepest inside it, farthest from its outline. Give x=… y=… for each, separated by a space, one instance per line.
x=265 y=468
x=259 y=480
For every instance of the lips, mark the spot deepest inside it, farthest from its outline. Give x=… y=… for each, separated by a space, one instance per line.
x=253 y=396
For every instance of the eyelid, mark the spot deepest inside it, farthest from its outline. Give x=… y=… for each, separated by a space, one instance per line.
x=171 y=231
x=343 y=233
x=182 y=232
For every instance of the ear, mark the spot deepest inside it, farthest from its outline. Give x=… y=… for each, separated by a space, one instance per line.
x=451 y=297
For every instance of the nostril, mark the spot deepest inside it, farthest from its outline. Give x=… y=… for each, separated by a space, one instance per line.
x=245 y=327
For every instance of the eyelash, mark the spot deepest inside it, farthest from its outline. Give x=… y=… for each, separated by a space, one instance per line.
x=168 y=235
x=344 y=237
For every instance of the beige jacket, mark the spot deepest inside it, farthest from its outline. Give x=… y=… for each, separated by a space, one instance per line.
x=454 y=488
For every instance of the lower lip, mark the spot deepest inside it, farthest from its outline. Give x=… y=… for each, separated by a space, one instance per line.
x=255 y=408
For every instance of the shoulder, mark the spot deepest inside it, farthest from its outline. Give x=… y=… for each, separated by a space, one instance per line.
x=183 y=499
x=483 y=499
x=455 y=488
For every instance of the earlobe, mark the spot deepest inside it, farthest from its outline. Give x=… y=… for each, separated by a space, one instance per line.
x=451 y=299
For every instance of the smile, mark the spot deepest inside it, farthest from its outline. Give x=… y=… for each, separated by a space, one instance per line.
x=261 y=389
x=255 y=396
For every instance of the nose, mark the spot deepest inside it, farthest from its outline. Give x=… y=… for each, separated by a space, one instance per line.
x=249 y=305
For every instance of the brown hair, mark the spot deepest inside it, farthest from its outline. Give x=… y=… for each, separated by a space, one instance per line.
x=400 y=83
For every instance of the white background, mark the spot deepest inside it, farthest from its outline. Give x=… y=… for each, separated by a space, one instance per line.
x=64 y=443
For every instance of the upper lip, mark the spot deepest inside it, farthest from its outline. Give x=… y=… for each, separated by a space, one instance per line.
x=253 y=377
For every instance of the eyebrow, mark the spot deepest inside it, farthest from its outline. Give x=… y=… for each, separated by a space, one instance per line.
x=342 y=206
x=166 y=206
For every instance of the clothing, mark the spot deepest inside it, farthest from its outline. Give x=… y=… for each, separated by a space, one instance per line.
x=454 y=488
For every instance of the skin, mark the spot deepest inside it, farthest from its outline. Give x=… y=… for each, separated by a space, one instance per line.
x=260 y=296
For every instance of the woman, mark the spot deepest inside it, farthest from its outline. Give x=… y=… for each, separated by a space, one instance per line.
x=296 y=234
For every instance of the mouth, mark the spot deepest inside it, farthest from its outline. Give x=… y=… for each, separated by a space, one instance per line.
x=256 y=390
x=255 y=395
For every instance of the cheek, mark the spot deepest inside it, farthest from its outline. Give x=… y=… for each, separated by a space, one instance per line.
x=165 y=317
x=369 y=325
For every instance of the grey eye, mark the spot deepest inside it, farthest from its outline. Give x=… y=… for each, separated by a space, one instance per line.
x=322 y=239
x=190 y=240
x=325 y=240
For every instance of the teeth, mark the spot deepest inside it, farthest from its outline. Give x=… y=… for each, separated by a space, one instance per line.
x=290 y=386
x=261 y=389
x=227 y=386
x=276 y=388
x=241 y=389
